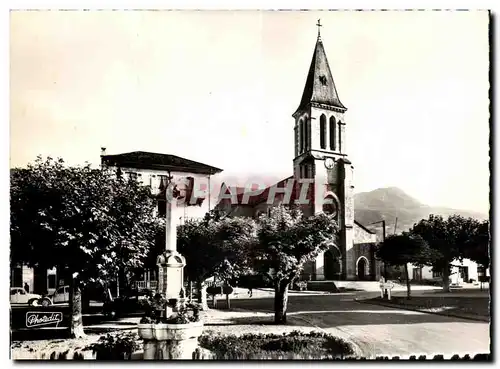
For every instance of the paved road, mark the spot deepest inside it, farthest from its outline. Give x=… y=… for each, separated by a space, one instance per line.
x=380 y=330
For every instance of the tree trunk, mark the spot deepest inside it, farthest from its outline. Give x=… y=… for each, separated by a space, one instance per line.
x=122 y=281
x=109 y=295
x=75 y=298
x=202 y=298
x=227 y=301
x=190 y=290
x=408 y=286
x=446 y=278
x=117 y=285
x=281 y=301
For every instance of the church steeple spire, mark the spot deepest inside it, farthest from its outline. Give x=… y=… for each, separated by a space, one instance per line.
x=320 y=87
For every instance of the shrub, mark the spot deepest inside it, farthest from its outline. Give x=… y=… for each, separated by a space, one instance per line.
x=295 y=345
x=301 y=285
x=115 y=347
x=184 y=312
x=428 y=282
x=214 y=290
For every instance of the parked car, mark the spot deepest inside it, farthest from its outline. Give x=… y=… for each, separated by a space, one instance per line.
x=60 y=296
x=18 y=295
x=122 y=306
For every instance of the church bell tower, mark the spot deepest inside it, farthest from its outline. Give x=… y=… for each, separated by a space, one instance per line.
x=321 y=156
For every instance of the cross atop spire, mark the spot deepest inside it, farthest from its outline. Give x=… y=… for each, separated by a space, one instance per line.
x=319 y=25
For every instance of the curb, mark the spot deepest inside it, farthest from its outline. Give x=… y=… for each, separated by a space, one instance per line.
x=365 y=301
x=358 y=352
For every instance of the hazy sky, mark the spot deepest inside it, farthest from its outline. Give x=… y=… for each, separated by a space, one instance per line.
x=220 y=88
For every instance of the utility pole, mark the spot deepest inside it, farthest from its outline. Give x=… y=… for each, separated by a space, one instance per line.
x=208 y=192
x=383 y=240
x=395 y=225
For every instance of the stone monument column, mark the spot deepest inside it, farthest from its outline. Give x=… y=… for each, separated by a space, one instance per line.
x=171 y=263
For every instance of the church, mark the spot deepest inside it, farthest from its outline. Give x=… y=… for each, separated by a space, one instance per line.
x=321 y=159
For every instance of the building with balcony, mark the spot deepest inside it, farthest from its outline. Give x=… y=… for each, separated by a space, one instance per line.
x=157 y=171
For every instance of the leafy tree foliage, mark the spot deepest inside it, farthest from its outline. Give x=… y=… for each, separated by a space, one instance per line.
x=86 y=222
x=286 y=240
x=215 y=246
x=399 y=250
x=450 y=239
x=477 y=247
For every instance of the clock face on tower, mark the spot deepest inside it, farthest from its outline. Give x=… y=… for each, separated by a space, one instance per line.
x=329 y=163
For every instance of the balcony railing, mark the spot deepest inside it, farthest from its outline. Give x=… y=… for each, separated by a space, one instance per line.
x=146 y=285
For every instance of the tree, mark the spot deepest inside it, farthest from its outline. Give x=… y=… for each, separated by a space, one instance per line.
x=448 y=238
x=215 y=246
x=477 y=248
x=399 y=250
x=286 y=241
x=87 y=222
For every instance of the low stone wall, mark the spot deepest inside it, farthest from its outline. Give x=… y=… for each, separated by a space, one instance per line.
x=204 y=354
x=58 y=354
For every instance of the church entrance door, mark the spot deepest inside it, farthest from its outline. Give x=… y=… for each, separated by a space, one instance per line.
x=332 y=264
x=362 y=269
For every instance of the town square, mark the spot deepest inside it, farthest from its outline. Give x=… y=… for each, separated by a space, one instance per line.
x=250 y=185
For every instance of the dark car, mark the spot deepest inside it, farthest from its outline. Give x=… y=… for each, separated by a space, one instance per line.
x=123 y=306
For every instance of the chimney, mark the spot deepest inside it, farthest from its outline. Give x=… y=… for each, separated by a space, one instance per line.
x=103 y=152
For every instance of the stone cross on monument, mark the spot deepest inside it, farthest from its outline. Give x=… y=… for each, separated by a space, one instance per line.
x=171 y=263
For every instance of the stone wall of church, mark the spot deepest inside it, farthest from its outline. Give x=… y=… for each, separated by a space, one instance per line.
x=365 y=251
x=362 y=236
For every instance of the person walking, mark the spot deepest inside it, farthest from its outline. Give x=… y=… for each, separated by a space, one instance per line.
x=27 y=287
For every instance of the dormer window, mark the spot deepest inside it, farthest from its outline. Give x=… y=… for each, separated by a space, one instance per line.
x=322 y=79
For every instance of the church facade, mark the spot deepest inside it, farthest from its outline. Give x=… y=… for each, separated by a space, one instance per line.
x=322 y=163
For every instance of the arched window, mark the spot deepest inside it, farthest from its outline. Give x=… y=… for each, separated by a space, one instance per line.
x=301 y=136
x=340 y=136
x=333 y=131
x=306 y=135
x=330 y=206
x=322 y=131
x=296 y=137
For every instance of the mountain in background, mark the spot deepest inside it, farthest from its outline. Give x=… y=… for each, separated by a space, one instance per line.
x=391 y=203
x=380 y=204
